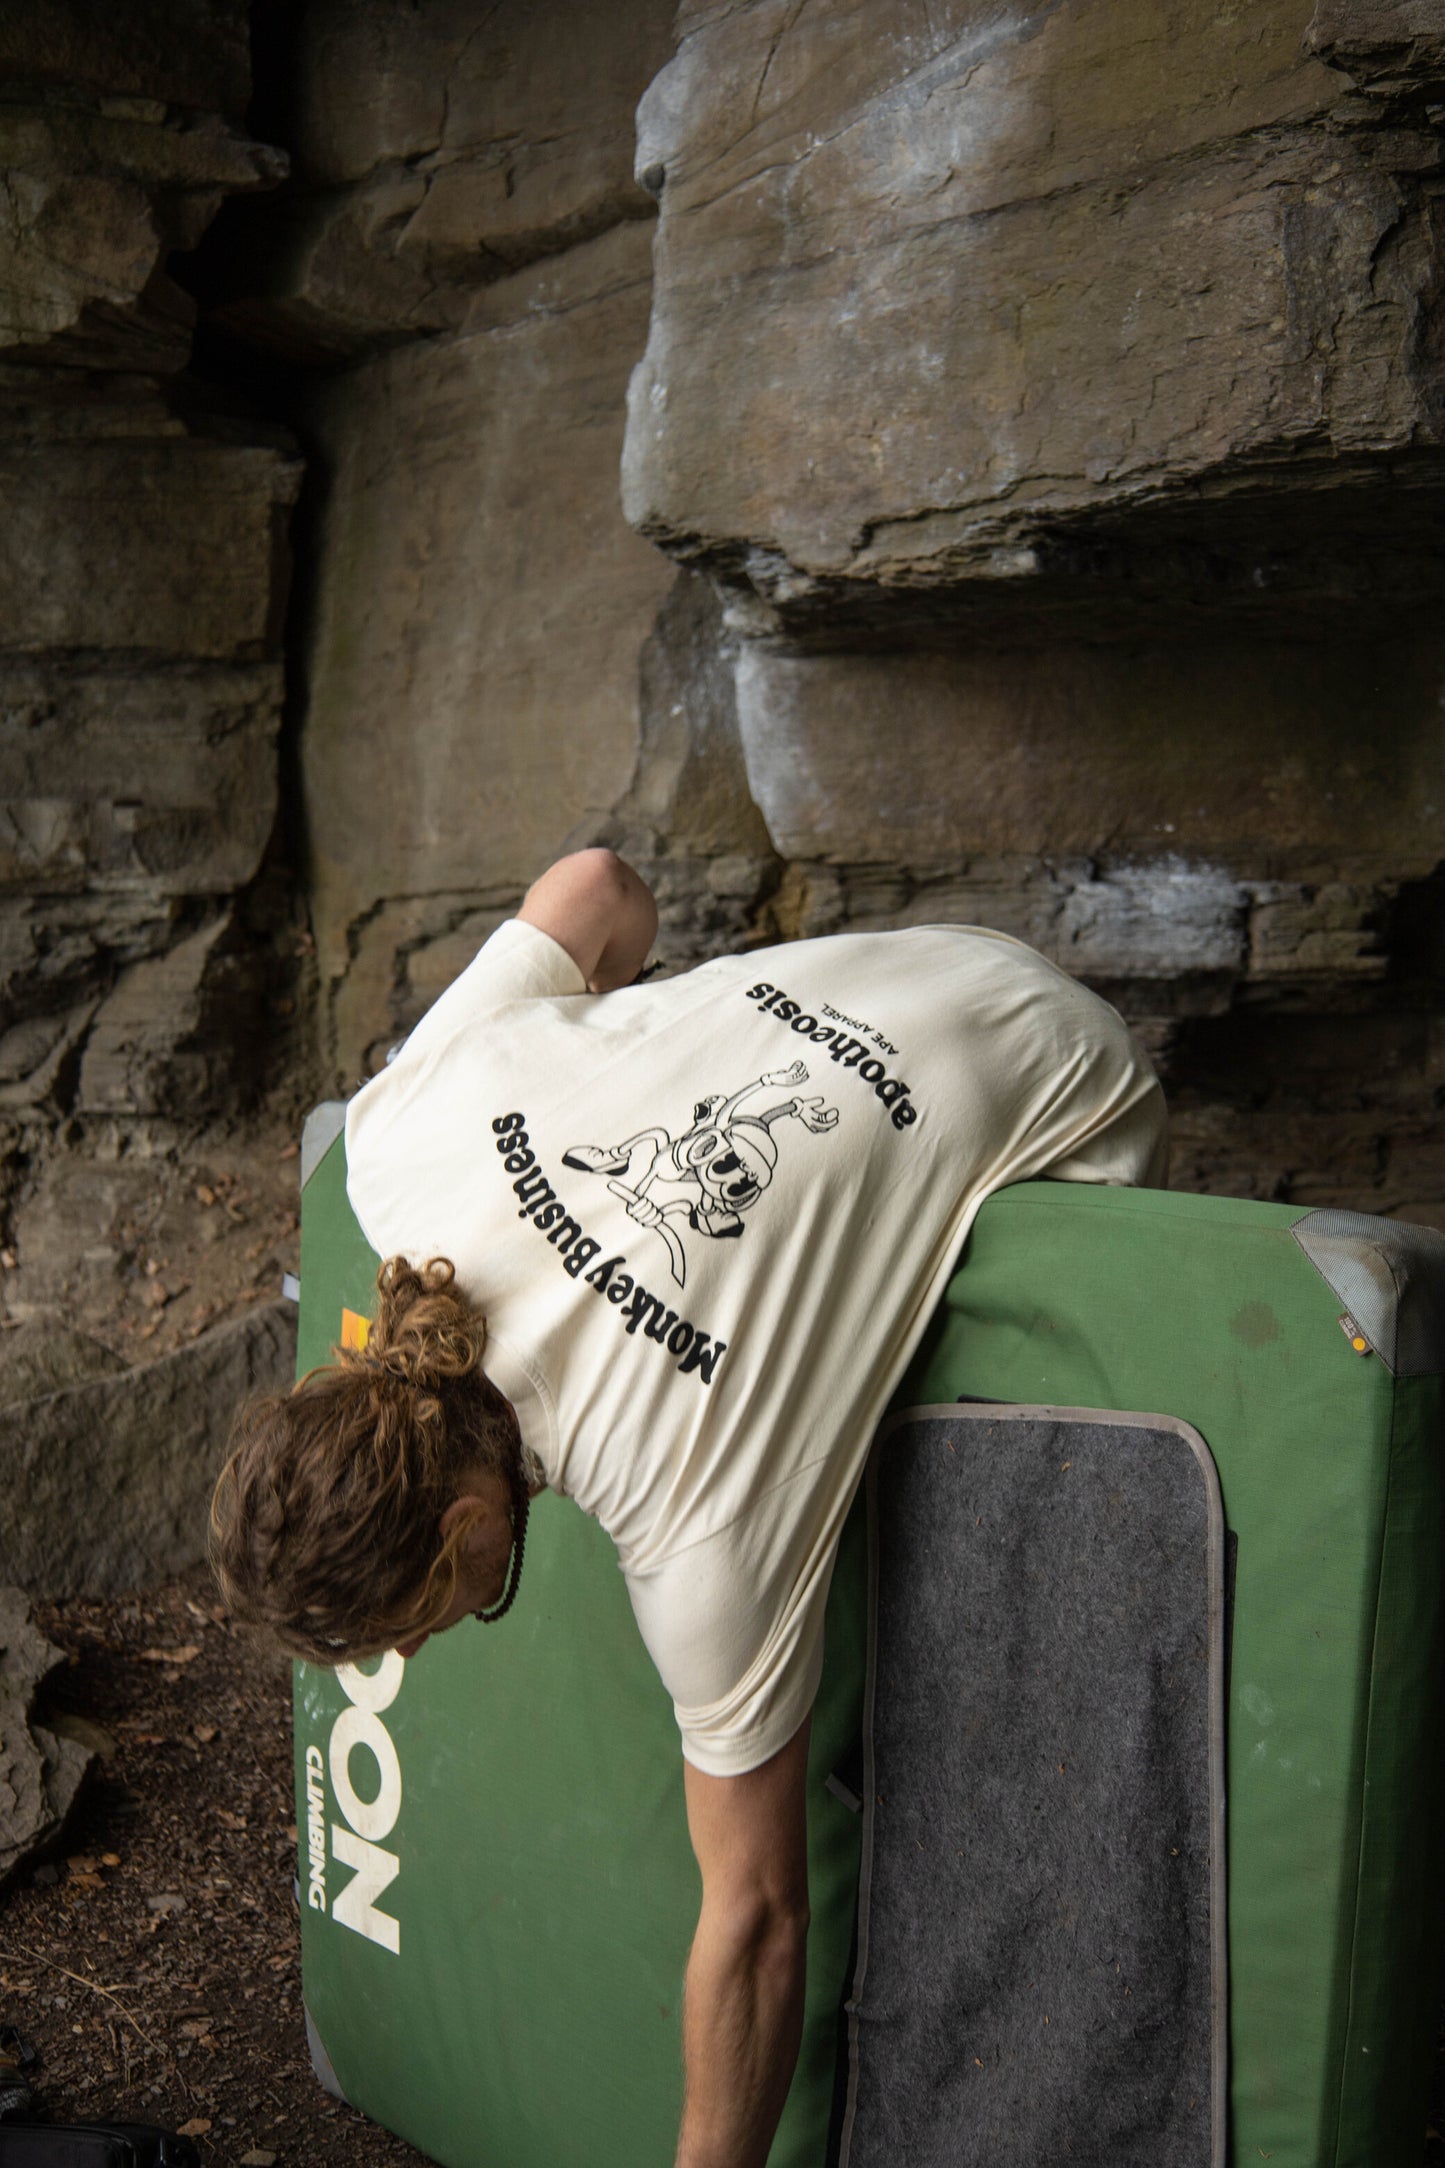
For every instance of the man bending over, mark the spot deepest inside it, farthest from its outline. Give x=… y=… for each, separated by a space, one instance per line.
x=666 y=1249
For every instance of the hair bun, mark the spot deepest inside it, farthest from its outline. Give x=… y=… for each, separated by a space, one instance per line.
x=424 y=1332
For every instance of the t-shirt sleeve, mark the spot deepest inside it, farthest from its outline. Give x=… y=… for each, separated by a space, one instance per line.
x=737 y=1637
x=518 y=963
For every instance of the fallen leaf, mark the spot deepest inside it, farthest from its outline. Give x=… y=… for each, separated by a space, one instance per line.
x=82 y=1863
x=110 y=1859
x=205 y=1733
x=196 y=2128
x=187 y=1655
x=86 y=1881
x=205 y=1194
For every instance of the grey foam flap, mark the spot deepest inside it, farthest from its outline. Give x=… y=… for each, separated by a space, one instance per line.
x=320 y=2061
x=1390 y=1277
x=1041 y=1955
x=320 y=1130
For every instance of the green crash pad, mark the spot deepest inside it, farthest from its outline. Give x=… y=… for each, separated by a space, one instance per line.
x=1306 y=1349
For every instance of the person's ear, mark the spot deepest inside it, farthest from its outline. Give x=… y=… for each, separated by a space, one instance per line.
x=465 y=1508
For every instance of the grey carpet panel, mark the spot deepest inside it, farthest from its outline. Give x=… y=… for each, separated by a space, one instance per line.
x=1040 y=1968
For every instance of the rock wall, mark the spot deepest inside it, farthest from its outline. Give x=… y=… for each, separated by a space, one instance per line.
x=462 y=266
x=144 y=575
x=1023 y=509
x=1053 y=397
x=141 y=570
x=435 y=150
x=480 y=610
x=1043 y=408
x=948 y=296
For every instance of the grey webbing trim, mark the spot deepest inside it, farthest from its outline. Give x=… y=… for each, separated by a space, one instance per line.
x=1389 y=1276
x=320 y=1130
x=865 y=1868
x=1005 y=1411
x=320 y=2061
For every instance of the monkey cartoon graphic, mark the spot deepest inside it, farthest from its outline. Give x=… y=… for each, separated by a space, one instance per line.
x=717 y=1170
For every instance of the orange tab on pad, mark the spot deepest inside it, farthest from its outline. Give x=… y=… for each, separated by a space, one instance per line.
x=355 y=1329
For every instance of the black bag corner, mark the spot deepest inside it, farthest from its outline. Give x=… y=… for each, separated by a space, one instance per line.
x=94 y=2145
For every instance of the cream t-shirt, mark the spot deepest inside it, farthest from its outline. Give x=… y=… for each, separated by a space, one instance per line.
x=708 y=1219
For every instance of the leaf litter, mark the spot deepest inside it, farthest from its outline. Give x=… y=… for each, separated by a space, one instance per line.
x=153 y=1962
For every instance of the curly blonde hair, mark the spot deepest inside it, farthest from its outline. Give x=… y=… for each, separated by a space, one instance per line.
x=324 y=1524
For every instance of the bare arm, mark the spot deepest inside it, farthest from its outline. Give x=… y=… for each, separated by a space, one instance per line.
x=743 y=2013
x=600 y=911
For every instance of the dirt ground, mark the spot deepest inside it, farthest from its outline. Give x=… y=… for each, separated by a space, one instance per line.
x=144 y=1241
x=154 y=1964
